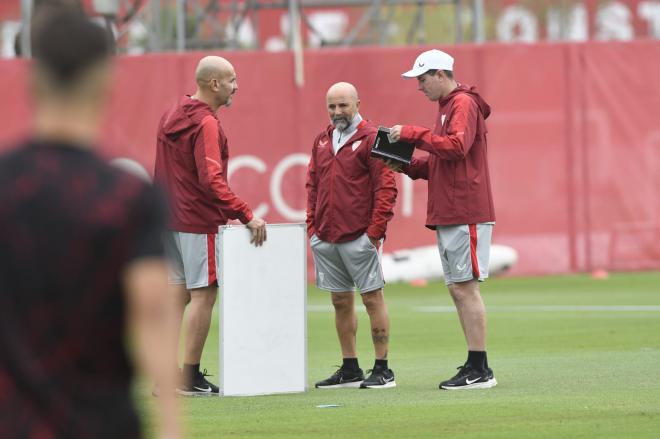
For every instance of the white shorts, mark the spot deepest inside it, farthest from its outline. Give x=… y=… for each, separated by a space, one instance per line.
x=345 y=266
x=464 y=251
x=192 y=258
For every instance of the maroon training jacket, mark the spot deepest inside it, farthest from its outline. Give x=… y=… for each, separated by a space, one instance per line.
x=350 y=193
x=191 y=165
x=457 y=165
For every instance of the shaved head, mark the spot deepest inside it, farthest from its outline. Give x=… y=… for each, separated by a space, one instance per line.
x=343 y=104
x=211 y=67
x=344 y=90
x=216 y=81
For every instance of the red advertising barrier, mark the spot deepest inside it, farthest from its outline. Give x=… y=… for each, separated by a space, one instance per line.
x=574 y=138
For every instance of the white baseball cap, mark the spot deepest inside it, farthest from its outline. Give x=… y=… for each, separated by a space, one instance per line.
x=430 y=60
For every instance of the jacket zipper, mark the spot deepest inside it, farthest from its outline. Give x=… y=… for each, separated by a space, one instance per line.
x=332 y=184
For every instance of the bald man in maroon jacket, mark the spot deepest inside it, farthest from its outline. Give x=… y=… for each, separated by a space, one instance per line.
x=350 y=199
x=191 y=164
x=460 y=204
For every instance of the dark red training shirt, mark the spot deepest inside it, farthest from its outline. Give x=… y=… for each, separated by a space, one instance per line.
x=457 y=165
x=191 y=165
x=69 y=225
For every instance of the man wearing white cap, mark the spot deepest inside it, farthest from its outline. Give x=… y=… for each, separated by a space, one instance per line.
x=460 y=203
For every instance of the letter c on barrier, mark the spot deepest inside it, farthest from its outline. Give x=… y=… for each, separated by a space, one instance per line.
x=252 y=162
x=276 y=186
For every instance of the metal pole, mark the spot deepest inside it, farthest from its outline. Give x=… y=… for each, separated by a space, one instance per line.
x=458 y=21
x=586 y=177
x=156 y=31
x=296 y=43
x=26 y=28
x=570 y=98
x=180 y=25
x=478 y=21
x=234 y=24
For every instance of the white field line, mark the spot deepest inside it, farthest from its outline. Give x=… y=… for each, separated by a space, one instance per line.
x=549 y=308
x=519 y=308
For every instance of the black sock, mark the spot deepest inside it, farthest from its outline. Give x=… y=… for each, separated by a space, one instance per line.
x=350 y=364
x=190 y=371
x=477 y=359
x=380 y=363
x=486 y=361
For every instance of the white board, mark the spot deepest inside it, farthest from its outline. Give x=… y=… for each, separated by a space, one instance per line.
x=263 y=301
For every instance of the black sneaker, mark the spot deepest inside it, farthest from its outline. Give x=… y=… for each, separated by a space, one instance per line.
x=470 y=378
x=380 y=378
x=342 y=378
x=199 y=386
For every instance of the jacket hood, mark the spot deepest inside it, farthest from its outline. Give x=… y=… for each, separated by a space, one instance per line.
x=184 y=116
x=472 y=91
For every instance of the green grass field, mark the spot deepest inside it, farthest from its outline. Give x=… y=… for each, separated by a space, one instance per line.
x=570 y=359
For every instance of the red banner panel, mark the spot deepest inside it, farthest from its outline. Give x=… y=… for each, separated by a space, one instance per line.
x=574 y=137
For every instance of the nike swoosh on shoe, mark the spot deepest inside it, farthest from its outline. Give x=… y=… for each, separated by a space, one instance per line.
x=352 y=380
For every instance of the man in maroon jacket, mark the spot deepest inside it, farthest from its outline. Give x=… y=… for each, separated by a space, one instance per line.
x=460 y=204
x=191 y=164
x=350 y=199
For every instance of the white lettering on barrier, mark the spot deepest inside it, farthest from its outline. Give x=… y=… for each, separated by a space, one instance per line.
x=255 y=163
x=650 y=11
x=276 y=186
x=517 y=17
x=613 y=20
x=569 y=25
x=252 y=162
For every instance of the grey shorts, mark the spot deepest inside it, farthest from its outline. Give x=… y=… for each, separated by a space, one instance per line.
x=192 y=258
x=343 y=267
x=464 y=251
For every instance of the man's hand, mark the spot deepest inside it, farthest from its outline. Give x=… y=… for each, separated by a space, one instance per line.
x=258 y=228
x=395 y=133
x=394 y=166
x=375 y=242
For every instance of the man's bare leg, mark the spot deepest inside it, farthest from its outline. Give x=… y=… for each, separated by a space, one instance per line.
x=345 y=322
x=381 y=376
x=471 y=312
x=374 y=302
x=197 y=322
x=350 y=374
x=182 y=296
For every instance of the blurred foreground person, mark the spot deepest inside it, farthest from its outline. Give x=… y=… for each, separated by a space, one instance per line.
x=81 y=260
